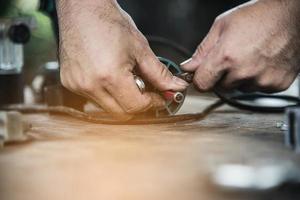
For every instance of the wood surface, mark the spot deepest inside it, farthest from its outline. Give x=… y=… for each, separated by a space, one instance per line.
x=70 y=159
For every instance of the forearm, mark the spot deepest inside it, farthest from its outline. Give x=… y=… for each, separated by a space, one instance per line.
x=74 y=9
x=64 y=5
x=80 y=17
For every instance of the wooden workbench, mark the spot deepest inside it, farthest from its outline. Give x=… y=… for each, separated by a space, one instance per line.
x=70 y=159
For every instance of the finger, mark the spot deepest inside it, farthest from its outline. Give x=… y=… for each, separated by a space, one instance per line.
x=127 y=94
x=203 y=49
x=109 y=104
x=210 y=71
x=157 y=73
x=272 y=81
x=269 y=80
x=235 y=79
x=157 y=101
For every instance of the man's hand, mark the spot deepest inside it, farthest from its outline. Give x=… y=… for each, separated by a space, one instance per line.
x=253 y=47
x=100 y=48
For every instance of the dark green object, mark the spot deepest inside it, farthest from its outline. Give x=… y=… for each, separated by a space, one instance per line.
x=4 y=5
x=172 y=107
x=174 y=68
x=47 y=6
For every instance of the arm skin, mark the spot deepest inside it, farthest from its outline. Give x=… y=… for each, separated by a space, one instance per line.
x=254 y=47
x=100 y=47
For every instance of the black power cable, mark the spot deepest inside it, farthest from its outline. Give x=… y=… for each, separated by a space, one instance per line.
x=171 y=44
x=247 y=102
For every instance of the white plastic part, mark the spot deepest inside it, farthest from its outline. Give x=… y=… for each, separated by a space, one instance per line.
x=11 y=127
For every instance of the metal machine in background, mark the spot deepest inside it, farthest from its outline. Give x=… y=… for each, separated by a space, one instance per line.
x=48 y=89
x=14 y=33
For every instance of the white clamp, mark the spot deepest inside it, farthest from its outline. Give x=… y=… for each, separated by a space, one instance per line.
x=11 y=127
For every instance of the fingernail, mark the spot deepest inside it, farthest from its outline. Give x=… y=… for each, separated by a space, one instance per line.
x=180 y=82
x=186 y=62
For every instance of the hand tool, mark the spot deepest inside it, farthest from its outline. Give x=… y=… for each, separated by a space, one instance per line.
x=174 y=100
x=178 y=97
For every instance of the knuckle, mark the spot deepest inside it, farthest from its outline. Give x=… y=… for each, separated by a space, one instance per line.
x=138 y=107
x=201 y=85
x=244 y=75
x=200 y=50
x=228 y=56
x=132 y=110
x=218 y=19
x=285 y=85
x=164 y=79
x=77 y=85
x=142 y=104
x=64 y=81
x=142 y=41
x=281 y=81
x=85 y=86
x=265 y=82
x=165 y=74
x=104 y=77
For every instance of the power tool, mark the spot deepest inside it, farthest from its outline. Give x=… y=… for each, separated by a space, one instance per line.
x=14 y=33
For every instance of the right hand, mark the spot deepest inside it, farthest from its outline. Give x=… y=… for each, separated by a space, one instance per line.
x=254 y=47
x=100 y=47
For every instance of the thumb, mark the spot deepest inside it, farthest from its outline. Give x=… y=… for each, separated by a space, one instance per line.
x=157 y=73
x=203 y=49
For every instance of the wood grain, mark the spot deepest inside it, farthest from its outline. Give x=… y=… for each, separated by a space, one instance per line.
x=71 y=159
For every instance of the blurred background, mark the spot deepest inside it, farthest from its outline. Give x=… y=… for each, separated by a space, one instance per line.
x=185 y=22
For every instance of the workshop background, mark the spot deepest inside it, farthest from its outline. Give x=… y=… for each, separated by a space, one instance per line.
x=230 y=153
x=185 y=22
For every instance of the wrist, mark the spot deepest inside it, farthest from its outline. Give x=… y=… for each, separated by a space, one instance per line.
x=75 y=7
x=287 y=12
x=74 y=11
x=96 y=3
